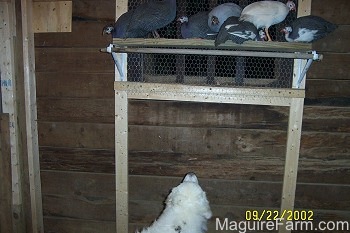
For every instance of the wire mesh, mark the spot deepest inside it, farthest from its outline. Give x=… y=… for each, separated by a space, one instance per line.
x=209 y=69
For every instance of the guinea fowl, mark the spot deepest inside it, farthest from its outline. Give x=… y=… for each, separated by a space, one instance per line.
x=264 y=14
x=308 y=29
x=151 y=16
x=119 y=29
x=237 y=31
x=196 y=26
x=145 y=18
x=218 y=15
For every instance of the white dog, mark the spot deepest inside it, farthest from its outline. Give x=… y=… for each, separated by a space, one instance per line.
x=186 y=210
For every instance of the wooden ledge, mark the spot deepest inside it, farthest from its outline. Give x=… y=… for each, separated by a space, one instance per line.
x=209 y=44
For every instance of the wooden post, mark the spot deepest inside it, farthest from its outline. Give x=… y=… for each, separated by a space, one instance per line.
x=121 y=139
x=121 y=160
x=5 y=175
x=31 y=116
x=292 y=158
x=9 y=105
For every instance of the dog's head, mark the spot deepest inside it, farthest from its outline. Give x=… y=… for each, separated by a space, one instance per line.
x=189 y=195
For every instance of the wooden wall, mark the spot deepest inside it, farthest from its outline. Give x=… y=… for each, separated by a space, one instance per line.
x=237 y=151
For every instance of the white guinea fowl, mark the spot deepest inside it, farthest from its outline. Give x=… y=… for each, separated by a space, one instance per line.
x=264 y=14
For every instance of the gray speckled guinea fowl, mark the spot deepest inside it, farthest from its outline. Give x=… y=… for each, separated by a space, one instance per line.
x=119 y=28
x=196 y=26
x=218 y=15
x=151 y=16
x=308 y=29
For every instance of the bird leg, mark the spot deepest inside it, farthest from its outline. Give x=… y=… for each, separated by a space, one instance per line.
x=267 y=34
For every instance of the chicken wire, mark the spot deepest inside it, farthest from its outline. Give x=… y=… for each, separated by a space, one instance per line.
x=210 y=69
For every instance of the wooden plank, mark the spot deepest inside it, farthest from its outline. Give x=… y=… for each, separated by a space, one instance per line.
x=31 y=117
x=75 y=85
x=320 y=169
x=121 y=160
x=304 y=8
x=91 y=10
x=5 y=175
x=200 y=43
x=9 y=98
x=333 y=66
x=195 y=51
x=170 y=113
x=322 y=88
x=292 y=158
x=90 y=29
x=90 y=189
x=73 y=60
x=336 y=14
x=279 y=97
x=76 y=110
x=217 y=141
x=57 y=224
x=59 y=13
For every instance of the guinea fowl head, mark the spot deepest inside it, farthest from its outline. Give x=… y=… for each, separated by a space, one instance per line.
x=287 y=30
x=215 y=20
x=262 y=35
x=291 y=5
x=183 y=19
x=108 y=29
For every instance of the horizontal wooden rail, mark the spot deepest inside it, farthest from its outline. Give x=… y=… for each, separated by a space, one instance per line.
x=177 y=92
x=209 y=44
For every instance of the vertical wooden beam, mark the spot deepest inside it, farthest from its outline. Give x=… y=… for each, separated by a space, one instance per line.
x=121 y=160
x=5 y=175
x=9 y=105
x=292 y=157
x=31 y=116
x=121 y=139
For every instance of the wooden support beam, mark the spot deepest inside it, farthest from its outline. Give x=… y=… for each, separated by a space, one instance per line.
x=176 y=92
x=5 y=175
x=121 y=160
x=31 y=116
x=121 y=136
x=292 y=158
x=9 y=98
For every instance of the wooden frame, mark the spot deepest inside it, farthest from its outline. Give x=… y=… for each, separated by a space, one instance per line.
x=293 y=98
x=18 y=92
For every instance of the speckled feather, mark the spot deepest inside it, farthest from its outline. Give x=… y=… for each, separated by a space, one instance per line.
x=237 y=31
x=152 y=15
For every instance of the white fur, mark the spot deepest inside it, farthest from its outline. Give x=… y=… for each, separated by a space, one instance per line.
x=186 y=210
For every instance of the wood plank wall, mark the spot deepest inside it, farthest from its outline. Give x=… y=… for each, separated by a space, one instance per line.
x=237 y=151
